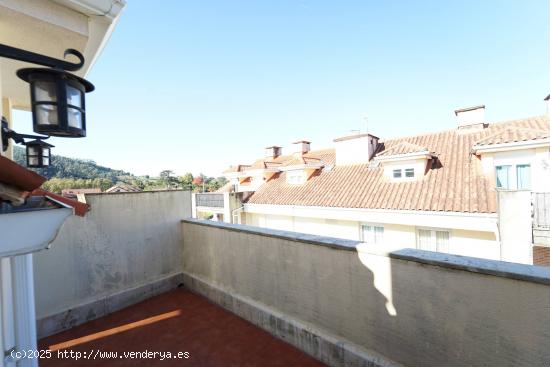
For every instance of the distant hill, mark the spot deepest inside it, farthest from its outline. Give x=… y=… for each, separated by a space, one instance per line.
x=63 y=167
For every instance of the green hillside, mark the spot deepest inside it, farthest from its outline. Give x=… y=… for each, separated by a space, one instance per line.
x=63 y=167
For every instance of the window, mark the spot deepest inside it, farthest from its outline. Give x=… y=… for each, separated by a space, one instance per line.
x=523 y=176
x=514 y=177
x=295 y=177
x=409 y=172
x=503 y=177
x=373 y=235
x=433 y=240
x=396 y=173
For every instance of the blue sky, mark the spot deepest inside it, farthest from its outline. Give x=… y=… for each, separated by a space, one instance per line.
x=199 y=85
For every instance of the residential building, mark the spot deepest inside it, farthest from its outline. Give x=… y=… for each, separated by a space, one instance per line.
x=75 y=193
x=436 y=191
x=137 y=282
x=122 y=188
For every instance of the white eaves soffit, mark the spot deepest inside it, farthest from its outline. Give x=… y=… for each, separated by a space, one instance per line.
x=50 y=27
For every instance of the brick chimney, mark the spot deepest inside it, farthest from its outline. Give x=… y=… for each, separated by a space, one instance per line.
x=273 y=152
x=471 y=118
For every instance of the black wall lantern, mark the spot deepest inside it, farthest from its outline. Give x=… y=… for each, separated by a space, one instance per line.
x=38 y=151
x=57 y=96
x=57 y=102
x=38 y=154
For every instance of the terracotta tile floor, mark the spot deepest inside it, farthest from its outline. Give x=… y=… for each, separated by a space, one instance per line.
x=176 y=321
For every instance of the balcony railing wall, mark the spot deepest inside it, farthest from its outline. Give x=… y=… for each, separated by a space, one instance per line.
x=209 y=200
x=347 y=304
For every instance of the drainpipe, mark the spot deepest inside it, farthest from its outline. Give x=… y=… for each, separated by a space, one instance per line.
x=233 y=215
x=7 y=332
x=25 y=313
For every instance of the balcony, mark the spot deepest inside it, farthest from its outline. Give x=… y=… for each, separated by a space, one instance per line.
x=209 y=200
x=220 y=207
x=134 y=276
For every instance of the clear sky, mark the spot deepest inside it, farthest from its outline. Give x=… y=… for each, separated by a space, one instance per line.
x=199 y=85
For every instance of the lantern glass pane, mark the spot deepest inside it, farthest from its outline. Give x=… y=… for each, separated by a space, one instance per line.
x=74 y=96
x=45 y=91
x=74 y=117
x=46 y=115
x=46 y=152
x=45 y=161
x=33 y=161
x=33 y=150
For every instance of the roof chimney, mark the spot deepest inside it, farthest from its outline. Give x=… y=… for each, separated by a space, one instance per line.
x=273 y=152
x=547 y=99
x=355 y=149
x=301 y=147
x=471 y=117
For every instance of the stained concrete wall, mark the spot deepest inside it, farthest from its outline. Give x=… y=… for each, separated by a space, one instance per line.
x=413 y=307
x=127 y=241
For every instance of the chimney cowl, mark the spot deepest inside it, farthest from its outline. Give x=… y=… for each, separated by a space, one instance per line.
x=273 y=152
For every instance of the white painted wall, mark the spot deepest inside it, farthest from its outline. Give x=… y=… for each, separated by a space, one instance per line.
x=354 y=149
x=516 y=226
x=464 y=242
x=538 y=158
x=419 y=166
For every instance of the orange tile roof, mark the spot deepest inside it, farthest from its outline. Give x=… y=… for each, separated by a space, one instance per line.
x=457 y=184
x=402 y=148
x=514 y=134
x=28 y=182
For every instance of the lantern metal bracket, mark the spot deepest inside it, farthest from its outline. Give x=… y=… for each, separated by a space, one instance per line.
x=38 y=59
x=8 y=134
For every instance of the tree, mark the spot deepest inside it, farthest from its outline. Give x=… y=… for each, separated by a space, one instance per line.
x=187 y=181
x=168 y=179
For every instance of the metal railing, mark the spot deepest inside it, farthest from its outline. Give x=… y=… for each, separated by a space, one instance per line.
x=209 y=200
x=541 y=210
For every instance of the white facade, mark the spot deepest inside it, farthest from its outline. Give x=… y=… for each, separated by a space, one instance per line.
x=538 y=160
x=469 y=234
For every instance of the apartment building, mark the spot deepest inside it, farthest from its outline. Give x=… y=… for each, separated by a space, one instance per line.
x=437 y=191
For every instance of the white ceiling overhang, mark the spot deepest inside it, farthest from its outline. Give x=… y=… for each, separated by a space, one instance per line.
x=50 y=27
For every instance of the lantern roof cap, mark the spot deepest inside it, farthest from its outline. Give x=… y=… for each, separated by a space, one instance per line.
x=25 y=74
x=40 y=142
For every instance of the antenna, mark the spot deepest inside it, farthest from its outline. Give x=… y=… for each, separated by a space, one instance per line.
x=366 y=123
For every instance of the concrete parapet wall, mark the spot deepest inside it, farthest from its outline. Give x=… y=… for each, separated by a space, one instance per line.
x=409 y=307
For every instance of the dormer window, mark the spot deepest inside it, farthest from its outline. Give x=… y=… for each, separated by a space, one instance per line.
x=295 y=177
x=404 y=161
x=402 y=173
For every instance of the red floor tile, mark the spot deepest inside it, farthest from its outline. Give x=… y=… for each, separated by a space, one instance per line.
x=176 y=321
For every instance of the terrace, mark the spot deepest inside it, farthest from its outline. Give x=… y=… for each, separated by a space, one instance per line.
x=136 y=275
